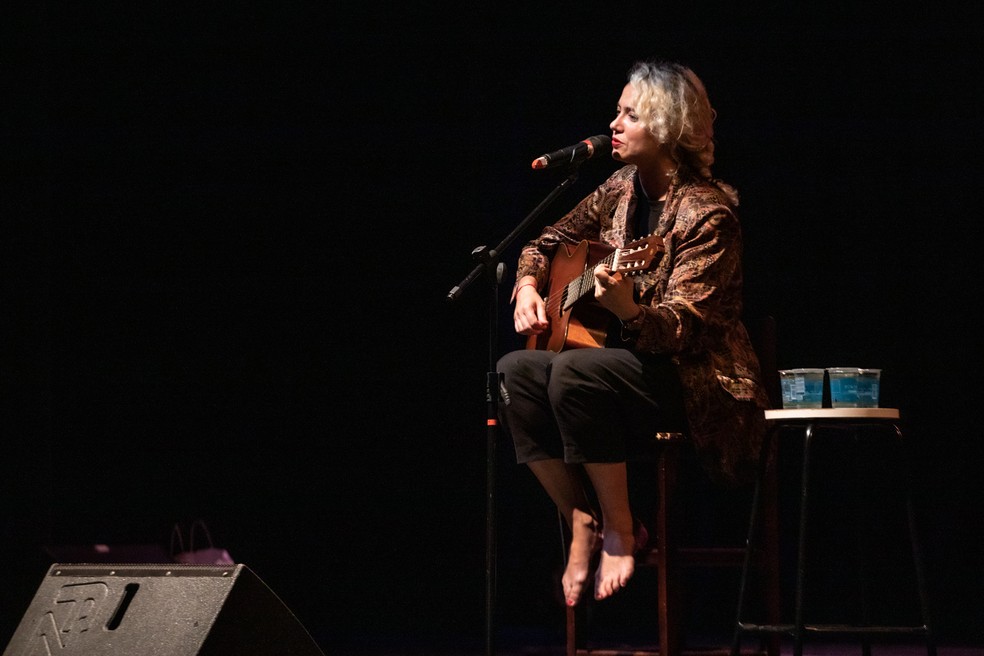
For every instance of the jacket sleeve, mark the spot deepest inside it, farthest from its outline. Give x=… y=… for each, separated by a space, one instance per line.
x=702 y=289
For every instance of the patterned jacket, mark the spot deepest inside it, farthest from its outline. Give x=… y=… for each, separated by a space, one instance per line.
x=693 y=304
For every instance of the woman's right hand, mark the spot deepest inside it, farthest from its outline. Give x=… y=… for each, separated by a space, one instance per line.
x=530 y=314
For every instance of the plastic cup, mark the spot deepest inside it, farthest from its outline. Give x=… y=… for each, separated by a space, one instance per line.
x=869 y=383
x=853 y=387
x=801 y=388
x=844 y=387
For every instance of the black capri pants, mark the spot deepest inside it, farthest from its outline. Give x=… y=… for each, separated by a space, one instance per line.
x=589 y=404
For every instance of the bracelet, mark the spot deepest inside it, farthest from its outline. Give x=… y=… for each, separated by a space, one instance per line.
x=525 y=284
x=635 y=323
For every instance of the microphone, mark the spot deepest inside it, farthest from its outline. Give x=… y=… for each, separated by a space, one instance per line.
x=575 y=154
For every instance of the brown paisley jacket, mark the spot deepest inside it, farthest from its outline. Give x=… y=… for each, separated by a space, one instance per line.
x=693 y=303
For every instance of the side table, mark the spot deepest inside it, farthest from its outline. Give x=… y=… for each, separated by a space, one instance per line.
x=813 y=422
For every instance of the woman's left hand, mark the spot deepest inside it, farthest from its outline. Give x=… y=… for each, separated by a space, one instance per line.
x=615 y=292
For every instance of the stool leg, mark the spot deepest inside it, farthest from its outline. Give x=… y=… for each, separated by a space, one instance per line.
x=752 y=539
x=920 y=579
x=801 y=546
x=860 y=522
x=666 y=536
x=917 y=561
x=572 y=624
x=770 y=550
x=571 y=632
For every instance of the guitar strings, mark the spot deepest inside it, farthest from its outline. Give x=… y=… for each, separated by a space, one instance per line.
x=576 y=287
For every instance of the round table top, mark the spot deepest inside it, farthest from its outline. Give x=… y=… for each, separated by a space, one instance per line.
x=831 y=413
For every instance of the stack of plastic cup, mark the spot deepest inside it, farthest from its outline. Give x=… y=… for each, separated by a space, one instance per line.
x=801 y=388
x=854 y=387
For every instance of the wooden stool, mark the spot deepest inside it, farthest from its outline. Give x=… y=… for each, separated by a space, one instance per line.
x=670 y=558
x=666 y=551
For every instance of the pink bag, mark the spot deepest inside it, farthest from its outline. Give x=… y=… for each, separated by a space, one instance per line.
x=204 y=555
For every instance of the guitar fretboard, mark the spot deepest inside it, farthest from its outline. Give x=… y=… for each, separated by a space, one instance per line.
x=584 y=283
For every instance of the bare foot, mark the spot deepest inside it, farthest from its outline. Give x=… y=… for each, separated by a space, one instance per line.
x=584 y=543
x=617 y=563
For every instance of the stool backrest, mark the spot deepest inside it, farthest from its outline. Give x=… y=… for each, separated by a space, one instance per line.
x=763 y=334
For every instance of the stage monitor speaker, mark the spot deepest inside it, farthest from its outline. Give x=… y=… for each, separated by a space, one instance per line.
x=157 y=610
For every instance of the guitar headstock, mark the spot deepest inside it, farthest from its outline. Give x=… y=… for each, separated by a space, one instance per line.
x=639 y=256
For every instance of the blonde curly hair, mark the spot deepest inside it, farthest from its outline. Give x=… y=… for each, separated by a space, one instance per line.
x=674 y=105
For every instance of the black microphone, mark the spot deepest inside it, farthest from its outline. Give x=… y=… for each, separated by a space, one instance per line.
x=575 y=154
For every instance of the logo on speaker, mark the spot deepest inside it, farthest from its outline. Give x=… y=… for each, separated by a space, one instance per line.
x=72 y=614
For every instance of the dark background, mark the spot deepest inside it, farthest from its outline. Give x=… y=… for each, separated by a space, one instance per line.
x=229 y=234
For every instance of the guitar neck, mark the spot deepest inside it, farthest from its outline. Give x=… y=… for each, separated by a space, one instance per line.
x=585 y=282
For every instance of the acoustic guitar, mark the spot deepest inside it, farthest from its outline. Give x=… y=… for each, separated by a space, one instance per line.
x=578 y=322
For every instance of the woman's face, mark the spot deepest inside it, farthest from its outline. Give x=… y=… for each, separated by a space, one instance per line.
x=632 y=142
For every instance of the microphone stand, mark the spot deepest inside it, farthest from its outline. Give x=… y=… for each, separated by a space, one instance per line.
x=495 y=271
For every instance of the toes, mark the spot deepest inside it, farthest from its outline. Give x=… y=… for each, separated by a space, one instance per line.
x=572 y=593
x=613 y=574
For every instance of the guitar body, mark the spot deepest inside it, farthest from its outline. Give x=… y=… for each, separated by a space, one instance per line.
x=585 y=323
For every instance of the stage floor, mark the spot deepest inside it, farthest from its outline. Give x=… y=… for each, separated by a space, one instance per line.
x=521 y=642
